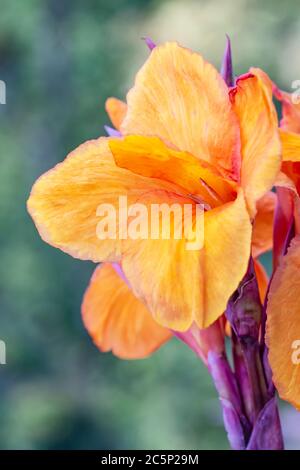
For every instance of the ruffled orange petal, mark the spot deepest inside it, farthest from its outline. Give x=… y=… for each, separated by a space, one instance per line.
x=261 y=149
x=116 y=320
x=283 y=325
x=182 y=99
x=290 y=120
x=116 y=109
x=180 y=286
x=149 y=156
x=262 y=236
x=64 y=201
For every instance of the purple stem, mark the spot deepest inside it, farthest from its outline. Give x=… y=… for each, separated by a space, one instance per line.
x=268 y=372
x=244 y=312
x=235 y=422
x=242 y=376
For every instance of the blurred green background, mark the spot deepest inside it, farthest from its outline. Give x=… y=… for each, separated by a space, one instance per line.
x=60 y=59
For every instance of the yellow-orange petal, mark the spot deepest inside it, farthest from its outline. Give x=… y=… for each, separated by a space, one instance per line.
x=182 y=99
x=116 y=320
x=180 y=286
x=261 y=148
x=116 y=109
x=64 y=201
x=227 y=246
x=262 y=236
x=283 y=325
x=290 y=146
x=162 y=272
x=262 y=279
x=149 y=156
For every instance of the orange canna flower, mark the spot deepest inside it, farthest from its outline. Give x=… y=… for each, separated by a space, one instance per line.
x=185 y=138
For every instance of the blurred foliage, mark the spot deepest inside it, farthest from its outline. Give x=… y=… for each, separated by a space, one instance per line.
x=60 y=60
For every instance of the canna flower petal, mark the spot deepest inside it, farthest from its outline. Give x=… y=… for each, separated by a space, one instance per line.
x=116 y=109
x=182 y=99
x=284 y=216
x=116 y=320
x=204 y=278
x=226 y=257
x=261 y=148
x=64 y=201
x=157 y=268
x=149 y=156
x=290 y=146
x=262 y=236
x=283 y=325
x=290 y=120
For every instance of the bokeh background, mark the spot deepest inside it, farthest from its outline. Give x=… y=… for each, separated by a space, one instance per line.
x=60 y=60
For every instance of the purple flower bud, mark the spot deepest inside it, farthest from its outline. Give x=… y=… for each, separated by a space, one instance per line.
x=266 y=434
x=112 y=132
x=151 y=45
x=244 y=308
x=226 y=68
